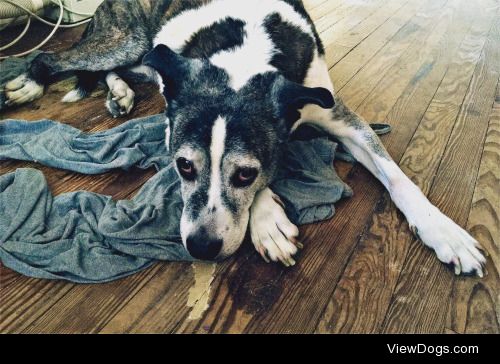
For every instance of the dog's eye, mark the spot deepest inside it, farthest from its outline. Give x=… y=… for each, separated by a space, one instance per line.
x=244 y=177
x=186 y=169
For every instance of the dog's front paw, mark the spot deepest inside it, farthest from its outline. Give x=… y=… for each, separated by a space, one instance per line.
x=452 y=244
x=273 y=235
x=22 y=89
x=120 y=99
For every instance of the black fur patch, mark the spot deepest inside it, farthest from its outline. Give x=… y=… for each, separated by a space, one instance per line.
x=298 y=6
x=295 y=48
x=41 y=68
x=87 y=81
x=223 y=35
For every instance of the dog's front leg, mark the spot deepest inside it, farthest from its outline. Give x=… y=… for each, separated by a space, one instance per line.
x=452 y=244
x=273 y=235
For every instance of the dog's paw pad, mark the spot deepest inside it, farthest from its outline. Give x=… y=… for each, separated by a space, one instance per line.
x=273 y=235
x=21 y=90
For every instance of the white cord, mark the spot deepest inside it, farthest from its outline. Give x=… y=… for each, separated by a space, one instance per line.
x=73 y=11
x=39 y=18
x=56 y=26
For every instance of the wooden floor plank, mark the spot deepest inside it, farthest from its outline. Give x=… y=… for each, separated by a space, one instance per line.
x=403 y=55
x=380 y=247
x=374 y=39
x=338 y=13
x=324 y=8
x=410 y=310
x=409 y=76
x=163 y=304
x=476 y=304
x=400 y=28
x=360 y=19
x=24 y=299
x=356 y=34
x=338 y=48
x=87 y=308
x=388 y=58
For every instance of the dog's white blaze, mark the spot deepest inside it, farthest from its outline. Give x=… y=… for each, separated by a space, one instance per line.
x=217 y=146
x=254 y=56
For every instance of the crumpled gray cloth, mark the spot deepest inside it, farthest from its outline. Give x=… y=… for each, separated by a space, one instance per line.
x=88 y=238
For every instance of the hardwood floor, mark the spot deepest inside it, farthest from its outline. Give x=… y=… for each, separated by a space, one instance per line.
x=430 y=68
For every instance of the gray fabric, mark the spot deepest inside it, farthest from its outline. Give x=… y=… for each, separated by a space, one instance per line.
x=88 y=238
x=85 y=237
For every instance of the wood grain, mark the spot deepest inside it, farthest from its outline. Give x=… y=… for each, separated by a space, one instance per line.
x=476 y=302
x=430 y=69
x=381 y=247
x=380 y=29
x=455 y=176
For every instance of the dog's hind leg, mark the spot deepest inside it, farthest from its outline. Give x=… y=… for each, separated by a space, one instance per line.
x=92 y=54
x=87 y=82
x=84 y=57
x=120 y=99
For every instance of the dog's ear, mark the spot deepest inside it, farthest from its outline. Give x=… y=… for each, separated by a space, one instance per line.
x=173 y=68
x=289 y=97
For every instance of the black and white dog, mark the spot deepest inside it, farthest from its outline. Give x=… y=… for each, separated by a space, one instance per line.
x=238 y=77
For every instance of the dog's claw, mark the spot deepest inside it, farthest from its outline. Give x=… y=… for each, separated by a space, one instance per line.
x=262 y=252
x=456 y=266
x=291 y=262
x=297 y=243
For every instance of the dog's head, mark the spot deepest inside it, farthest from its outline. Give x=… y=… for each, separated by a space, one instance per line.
x=226 y=144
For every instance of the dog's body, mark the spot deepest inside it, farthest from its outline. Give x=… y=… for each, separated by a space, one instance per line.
x=238 y=77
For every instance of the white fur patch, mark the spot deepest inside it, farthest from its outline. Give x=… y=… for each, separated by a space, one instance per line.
x=244 y=62
x=123 y=95
x=254 y=56
x=317 y=76
x=21 y=90
x=73 y=96
x=271 y=231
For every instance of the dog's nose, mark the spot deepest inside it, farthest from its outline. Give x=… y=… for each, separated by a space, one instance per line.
x=200 y=246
